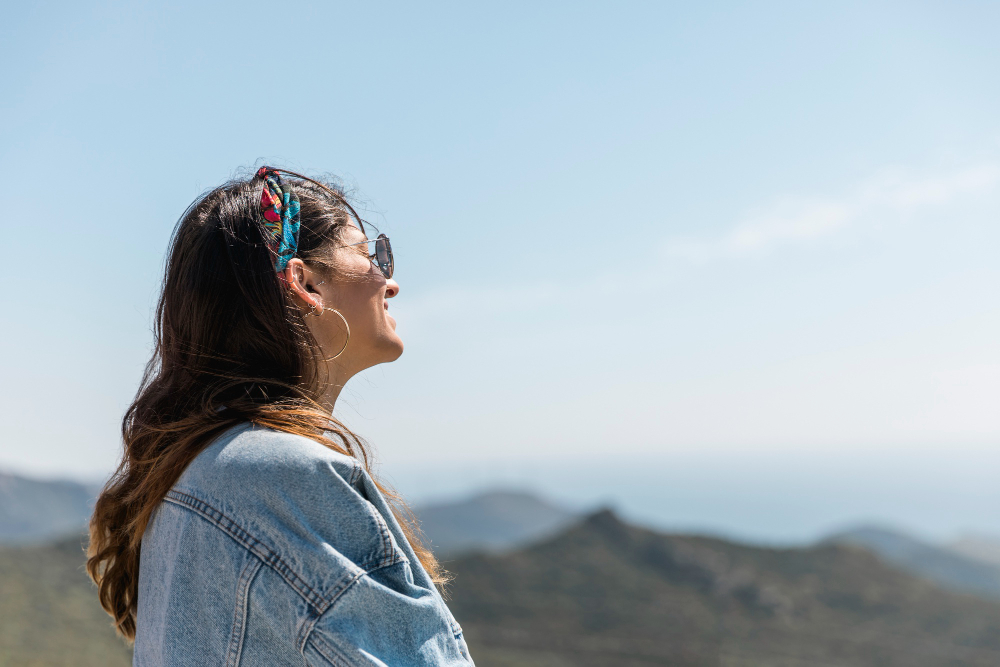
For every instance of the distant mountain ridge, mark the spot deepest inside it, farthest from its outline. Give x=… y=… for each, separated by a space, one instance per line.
x=34 y=510
x=491 y=521
x=978 y=547
x=946 y=567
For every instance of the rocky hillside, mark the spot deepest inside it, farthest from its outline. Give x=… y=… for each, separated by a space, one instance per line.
x=606 y=593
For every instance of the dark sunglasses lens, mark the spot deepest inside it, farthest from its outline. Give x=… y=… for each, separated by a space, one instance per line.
x=383 y=255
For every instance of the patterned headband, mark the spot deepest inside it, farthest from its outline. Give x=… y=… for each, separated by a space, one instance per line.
x=281 y=218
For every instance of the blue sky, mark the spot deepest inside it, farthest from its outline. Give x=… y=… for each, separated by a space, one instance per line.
x=640 y=229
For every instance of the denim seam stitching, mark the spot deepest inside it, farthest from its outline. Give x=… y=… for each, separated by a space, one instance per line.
x=255 y=546
x=180 y=498
x=240 y=614
x=325 y=649
x=382 y=533
x=391 y=556
x=312 y=626
x=308 y=628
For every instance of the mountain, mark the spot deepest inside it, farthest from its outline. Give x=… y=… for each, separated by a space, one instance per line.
x=978 y=547
x=49 y=614
x=606 y=593
x=35 y=510
x=946 y=567
x=491 y=522
x=598 y=593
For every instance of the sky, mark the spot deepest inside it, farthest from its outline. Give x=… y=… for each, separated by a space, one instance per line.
x=723 y=247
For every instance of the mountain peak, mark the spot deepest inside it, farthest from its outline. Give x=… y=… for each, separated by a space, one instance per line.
x=607 y=524
x=603 y=517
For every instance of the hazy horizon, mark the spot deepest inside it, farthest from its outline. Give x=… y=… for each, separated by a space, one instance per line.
x=769 y=497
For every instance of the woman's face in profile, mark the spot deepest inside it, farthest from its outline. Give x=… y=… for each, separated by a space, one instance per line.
x=361 y=293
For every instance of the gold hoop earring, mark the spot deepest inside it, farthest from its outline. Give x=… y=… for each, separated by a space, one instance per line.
x=346 y=326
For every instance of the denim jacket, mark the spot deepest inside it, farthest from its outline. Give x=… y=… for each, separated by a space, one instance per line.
x=274 y=550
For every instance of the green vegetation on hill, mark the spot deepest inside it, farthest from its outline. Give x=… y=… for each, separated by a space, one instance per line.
x=600 y=593
x=605 y=593
x=49 y=614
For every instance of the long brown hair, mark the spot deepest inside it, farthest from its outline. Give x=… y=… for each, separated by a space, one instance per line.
x=230 y=347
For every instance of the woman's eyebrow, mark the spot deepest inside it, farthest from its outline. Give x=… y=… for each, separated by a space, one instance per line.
x=354 y=233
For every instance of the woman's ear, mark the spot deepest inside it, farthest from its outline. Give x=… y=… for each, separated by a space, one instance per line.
x=299 y=277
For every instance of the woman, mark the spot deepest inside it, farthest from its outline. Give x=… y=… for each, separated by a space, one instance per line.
x=243 y=525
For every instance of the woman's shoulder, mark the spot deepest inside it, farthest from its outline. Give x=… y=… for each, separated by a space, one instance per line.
x=251 y=466
x=250 y=453
x=289 y=492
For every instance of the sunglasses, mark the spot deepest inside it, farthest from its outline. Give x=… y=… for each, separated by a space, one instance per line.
x=382 y=257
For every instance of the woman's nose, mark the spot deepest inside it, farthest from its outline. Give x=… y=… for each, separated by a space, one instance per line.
x=392 y=288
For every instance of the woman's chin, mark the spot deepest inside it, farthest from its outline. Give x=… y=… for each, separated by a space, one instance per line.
x=399 y=348
x=392 y=346
x=392 y=338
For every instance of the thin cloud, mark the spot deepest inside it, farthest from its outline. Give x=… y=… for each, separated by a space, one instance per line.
x=798 y=219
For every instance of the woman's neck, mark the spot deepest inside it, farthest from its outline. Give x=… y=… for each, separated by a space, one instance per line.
x=336 y=376
x=328 y=399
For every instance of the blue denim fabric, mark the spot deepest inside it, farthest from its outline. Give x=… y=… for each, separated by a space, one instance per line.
x=274 y=550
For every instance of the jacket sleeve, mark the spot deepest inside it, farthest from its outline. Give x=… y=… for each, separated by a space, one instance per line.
x=384 y=619
x=357 y=594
